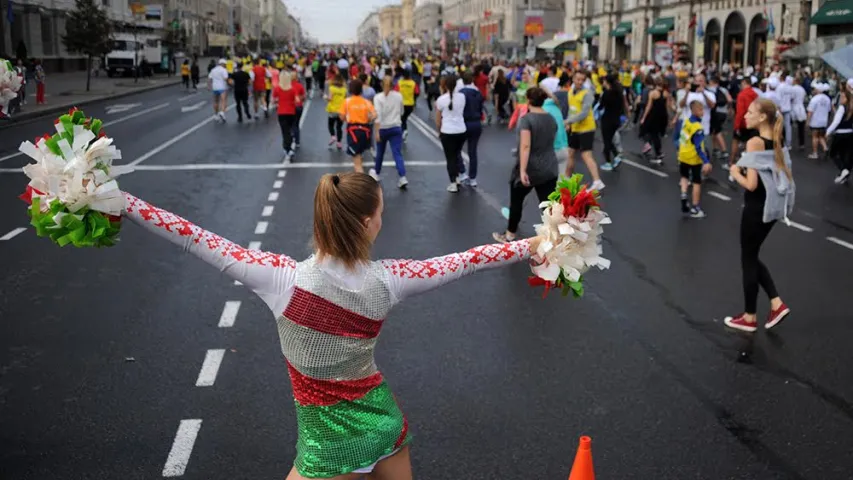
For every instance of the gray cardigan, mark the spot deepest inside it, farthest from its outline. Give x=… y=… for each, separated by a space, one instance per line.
x=780 y=190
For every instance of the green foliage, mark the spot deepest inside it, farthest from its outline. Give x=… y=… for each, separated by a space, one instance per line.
x=88 y=30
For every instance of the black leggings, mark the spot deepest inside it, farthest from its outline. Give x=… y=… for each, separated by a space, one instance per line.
x=517 y=193
x=286 y=123
x=608 y=131
x=407 y=110
x=242 y=99
x=753 y=231
x=842 y=151
x=308 y=81
x=801 y=134
x=452 y=144
x=336 y=126
x=654 y=139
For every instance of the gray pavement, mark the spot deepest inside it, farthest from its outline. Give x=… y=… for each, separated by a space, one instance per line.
x=100 y=350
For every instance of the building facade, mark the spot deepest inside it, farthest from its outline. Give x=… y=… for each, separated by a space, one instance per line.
x=485 y=25
x=428 y=24
x=368 y=31
x=391 y=25
x=407 y=11
x=37 y=26
x=740 y=32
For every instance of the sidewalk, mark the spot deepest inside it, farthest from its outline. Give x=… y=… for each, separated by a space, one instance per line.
x=66 y=90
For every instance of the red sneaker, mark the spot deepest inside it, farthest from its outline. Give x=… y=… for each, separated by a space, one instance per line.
x=740 y=323
x=777 y=316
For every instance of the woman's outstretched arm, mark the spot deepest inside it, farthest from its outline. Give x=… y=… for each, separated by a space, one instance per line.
x=411 y=277
x=269 y=275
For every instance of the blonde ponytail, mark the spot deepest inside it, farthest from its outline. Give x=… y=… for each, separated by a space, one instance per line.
x=778 y=153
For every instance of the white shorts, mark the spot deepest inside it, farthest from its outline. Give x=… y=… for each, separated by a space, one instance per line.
x=369 y=468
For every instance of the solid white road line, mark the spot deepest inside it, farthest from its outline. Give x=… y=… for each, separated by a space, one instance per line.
x=182 y=448
x=840 y=242
x=645 y=168
x=304 y=113
x=261 y=228
x=282 y=173
x=255 y=245
x=194 y=107
x=14 y=233
x=175 y=139
x=277 y=184
x=272 y=197
x=267 y=211
x=800 y=226
x=722 y=197
x=210 y=367
x=229 y=313
x=106 y=124
x=187 y=97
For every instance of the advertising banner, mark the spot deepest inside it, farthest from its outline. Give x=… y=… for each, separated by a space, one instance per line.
x=534 y=22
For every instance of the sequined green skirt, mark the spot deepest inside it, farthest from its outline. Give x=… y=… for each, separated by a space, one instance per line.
x=348 y=435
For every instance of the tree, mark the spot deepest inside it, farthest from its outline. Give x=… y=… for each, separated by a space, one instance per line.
x=89 y=31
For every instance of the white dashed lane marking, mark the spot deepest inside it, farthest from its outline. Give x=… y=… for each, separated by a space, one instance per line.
x=14 y=233
x=272 y=197
x=229 y=313
x=267 y=211
x=261 y=228
x=719 y=195
x=182 y=448
x=210 y=367
x=840 y=242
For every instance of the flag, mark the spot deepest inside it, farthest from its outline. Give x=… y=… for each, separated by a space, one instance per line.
x=692 y=21
x=700 y=31
x=10 y=15
x=385 y=47
x=771 y=29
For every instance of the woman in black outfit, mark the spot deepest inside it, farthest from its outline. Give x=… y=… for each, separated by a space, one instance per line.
x=655 y=119
x=500 y=94
x=615 y=105
x=759 y=173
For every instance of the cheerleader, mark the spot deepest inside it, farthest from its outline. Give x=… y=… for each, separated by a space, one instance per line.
x=329 y=310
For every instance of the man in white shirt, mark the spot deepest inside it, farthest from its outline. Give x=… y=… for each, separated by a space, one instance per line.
x=785 y=92
x=343 y=67
x=552 y=83
x=217 y=81
x=698 y=92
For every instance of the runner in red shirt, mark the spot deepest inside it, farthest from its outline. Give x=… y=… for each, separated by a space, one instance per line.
x=259 y=88
x=289 y=94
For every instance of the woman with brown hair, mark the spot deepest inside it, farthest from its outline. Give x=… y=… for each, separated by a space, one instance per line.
x=764 y=171
x=329 y=310
x=451 y=126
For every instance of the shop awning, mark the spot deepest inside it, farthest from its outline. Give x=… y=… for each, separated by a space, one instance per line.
x=834 y=12
x=591 y=31
x=552 y=44
x=818 y=47
x=662 y=26
x=624 y=28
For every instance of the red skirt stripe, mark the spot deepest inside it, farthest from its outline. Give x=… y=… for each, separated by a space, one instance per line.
x=317 y=313
x=310 y=391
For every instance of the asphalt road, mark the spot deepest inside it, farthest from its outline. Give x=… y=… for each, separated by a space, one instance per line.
x=101 y=351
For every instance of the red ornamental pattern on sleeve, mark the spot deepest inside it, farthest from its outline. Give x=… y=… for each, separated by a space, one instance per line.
x=174 y=224
x=448 y=264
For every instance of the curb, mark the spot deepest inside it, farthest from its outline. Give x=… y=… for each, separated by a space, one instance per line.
x=28 y=117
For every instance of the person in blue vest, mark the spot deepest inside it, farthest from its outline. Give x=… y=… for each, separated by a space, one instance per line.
x=473 y=115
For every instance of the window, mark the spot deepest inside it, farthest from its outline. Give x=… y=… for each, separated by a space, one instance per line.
x=47 y=34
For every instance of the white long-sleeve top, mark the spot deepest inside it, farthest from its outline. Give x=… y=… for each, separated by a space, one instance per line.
x=389 y=109
x=836 y=122
x=819 y=106
x=786 y=96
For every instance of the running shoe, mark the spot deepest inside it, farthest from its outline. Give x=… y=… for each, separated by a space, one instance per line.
x=685 y=206
x=453 y=187
x=740 y=323
x=402 y=182
x=617 y=161
x=332 y=143
x=373 y=174
x=505 y=212
x=777 y=316
x=813 y=156
x=845 y=174
x=503 y=237
x=607 y=167
x=405 y=135
x=658 y=160
x=340 y=146
x=697 y=212
x=472 y=182
x=462 y=178
x=597 y=185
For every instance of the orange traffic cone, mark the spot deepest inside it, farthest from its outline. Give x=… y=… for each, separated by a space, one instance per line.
x=582 y=468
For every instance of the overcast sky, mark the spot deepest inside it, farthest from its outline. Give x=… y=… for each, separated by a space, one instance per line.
x=331 y=21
